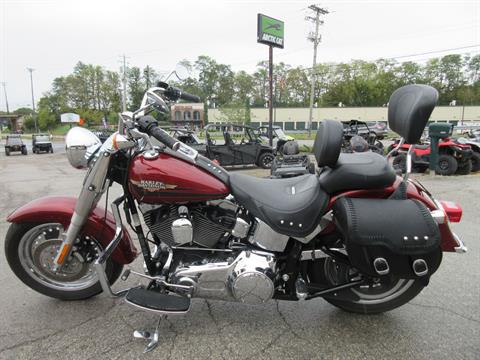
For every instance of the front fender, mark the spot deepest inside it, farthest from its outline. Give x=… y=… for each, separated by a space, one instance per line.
x=60 y=209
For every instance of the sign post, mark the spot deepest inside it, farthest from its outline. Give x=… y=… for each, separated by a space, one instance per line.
x=270 y=32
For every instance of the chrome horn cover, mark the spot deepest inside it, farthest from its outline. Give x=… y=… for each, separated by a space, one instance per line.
x=81 y=144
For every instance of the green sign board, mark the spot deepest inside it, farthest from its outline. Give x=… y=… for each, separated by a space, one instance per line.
x=270 y=31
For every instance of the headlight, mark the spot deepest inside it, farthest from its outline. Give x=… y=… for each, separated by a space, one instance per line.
x=81 y=144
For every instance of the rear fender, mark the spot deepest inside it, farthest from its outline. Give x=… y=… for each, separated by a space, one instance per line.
x=449 y=243
x=60 y=209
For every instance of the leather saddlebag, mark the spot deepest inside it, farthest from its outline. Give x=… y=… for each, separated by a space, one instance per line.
x=389 y=237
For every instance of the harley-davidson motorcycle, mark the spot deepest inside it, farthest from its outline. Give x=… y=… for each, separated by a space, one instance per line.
x=355 y=233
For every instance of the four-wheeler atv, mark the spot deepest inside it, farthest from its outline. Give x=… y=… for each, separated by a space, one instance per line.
x=41 y=142
x=279 y=138
x=14 y=143
x=473 y=139
x=360 y=128
x=241 y=146
x=453 y=157
x=290 y=162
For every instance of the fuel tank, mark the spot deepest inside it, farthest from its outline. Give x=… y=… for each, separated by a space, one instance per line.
x=167 y=179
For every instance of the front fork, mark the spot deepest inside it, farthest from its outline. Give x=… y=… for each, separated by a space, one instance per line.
x=93 y=188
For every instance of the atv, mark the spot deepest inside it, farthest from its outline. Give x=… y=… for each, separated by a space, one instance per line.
x=356 y=128
x=14 y=143
x=290 y=162
x=453 y=157
x=473 y=139
x=279 y=138
x=241 y=146
x=41 y=142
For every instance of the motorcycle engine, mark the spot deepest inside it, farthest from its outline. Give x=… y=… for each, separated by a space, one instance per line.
x=245 y=276
x=204 y=224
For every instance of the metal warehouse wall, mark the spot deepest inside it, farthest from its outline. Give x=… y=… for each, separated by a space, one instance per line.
x=295 y=115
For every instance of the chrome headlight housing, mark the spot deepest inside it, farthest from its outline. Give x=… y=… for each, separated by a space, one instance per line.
x=80 y=145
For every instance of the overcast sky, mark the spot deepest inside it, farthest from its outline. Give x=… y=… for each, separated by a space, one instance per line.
x=52 y=35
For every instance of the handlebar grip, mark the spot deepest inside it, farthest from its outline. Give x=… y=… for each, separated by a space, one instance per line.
x=175 y=93
x=189 y=97
x=149 y=125
x=162 y=136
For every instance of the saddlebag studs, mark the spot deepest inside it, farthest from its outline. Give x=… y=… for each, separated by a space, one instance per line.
x=420 y=267
x=381 y=266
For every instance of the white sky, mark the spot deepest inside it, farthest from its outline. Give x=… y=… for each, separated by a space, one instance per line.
x=52 y=35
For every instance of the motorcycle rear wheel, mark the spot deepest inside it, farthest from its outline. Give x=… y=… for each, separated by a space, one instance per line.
x=30 y=249
x=385 y=294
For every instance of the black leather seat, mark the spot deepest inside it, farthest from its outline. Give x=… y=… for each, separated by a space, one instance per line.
x=366 y=170
x=291 y=206
x=340 y=172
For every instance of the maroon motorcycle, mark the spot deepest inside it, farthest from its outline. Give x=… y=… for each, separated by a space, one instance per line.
x=354 y=233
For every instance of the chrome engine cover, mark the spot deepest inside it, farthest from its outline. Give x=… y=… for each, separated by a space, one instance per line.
x=252 y=278
x=249 y=278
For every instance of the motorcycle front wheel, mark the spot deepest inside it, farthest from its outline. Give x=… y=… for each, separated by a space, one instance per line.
x=31 y=248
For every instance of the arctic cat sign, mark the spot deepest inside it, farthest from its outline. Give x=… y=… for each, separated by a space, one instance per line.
x=270 y=31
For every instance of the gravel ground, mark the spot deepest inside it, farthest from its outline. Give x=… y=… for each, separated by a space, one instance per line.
x=443 y=322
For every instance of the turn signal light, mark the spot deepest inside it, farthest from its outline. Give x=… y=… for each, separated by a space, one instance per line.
x=453 y=211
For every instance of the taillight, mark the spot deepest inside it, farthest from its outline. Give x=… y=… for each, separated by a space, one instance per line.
x=453 y=211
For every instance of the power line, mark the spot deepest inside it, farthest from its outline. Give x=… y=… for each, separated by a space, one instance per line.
x=435 y=52
x=406 y=56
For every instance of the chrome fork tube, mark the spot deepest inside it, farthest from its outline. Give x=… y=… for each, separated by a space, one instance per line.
x=92 y=190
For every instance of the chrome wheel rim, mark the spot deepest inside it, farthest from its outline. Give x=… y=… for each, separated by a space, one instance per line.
x=380 y=290
x=38 y=248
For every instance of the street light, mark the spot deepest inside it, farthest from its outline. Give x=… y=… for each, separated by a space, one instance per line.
x=33 y=99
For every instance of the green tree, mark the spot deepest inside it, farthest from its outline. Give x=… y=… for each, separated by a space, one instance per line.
x=46 y=120
x=23 y=111
x=136 y=88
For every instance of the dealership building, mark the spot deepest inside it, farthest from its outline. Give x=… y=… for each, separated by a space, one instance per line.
x=297 y=118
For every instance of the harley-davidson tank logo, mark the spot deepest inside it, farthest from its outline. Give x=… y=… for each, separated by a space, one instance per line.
x=152 y=185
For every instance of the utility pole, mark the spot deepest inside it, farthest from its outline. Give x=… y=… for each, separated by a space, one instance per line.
x=124 y=81
x=315 y=38
x=5 y=92
x=33 y=99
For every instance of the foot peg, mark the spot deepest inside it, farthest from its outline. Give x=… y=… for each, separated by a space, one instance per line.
x=154 y=301
x=148 y=335
x=381 y=266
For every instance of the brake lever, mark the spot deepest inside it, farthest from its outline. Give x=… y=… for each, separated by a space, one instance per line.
x=138 y=135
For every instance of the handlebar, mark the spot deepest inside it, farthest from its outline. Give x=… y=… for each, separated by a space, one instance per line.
x=174 y=93
x=149 y=125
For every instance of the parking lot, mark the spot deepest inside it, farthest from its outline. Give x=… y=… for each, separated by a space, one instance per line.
x=443 y=322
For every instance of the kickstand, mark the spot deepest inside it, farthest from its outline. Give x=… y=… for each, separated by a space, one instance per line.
x=151 y=336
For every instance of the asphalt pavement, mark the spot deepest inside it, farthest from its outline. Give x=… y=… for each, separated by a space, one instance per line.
x=443 y=322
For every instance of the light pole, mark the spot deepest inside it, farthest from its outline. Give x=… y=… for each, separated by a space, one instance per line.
x=33 y=99
x=6 y=99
